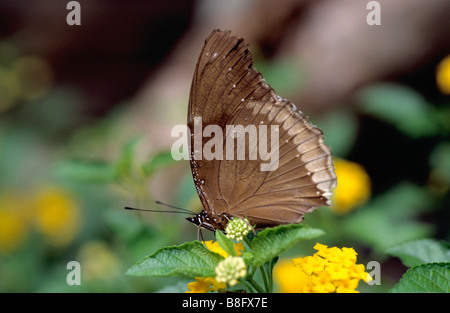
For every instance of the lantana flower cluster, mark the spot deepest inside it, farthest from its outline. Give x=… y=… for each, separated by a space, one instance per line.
x=208 y=284
x=237 y=228
x=331 y=270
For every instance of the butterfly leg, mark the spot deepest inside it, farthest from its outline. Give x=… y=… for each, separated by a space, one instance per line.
x=251 y=226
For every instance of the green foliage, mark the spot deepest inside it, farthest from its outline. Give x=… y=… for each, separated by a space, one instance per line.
x=421 y=251
x=225 y=243
x=390 y=219
x=191 y=259
x=429 y=262
x=429 y=277
x=87 y=172
x=340 y=139
x=271 y=242
x=402 y=107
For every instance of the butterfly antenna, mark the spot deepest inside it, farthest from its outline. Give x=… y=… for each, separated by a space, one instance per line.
x=174 y=207
x=177 y=210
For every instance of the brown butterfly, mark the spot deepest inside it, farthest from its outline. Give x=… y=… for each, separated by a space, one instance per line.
x=227 y=90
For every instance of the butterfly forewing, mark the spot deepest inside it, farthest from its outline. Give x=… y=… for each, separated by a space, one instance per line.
x=227 y=90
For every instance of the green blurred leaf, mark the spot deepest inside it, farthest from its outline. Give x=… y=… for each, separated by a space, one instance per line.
x=191 y=259
x=400 y=106
x=285 y=76
x=86 y=172
x=389 y=219
x=440 y=161
x=340 y=129
x=376 y=229
x=403 y=200
x=156 y=162
x=124 y=164
x=430 y=277
x=421 y=251
x=271 y=242
x=225 y=243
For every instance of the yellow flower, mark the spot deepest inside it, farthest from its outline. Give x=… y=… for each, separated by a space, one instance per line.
x=57 y=216
x=13 y=231
x=290 y=278
x=207 y=284
x=14 y=221
x=443 y=75
x=215 y=247
x=310 y=264
x=353 y=186
x=328 y=270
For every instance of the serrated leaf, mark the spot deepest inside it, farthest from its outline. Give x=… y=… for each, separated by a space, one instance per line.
x=190 y=259
x=225 y=243
x=430 y=277
x=271 y=242
x=421 y=251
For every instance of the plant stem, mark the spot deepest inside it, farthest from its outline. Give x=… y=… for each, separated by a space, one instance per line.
x=250 y=287
x=255 y=285
x=247 y=241
x=265 y=278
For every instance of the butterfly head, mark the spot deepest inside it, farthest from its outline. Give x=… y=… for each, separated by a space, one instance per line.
x=206 y=221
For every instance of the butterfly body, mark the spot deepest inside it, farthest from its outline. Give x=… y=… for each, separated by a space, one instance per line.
x=227 y=91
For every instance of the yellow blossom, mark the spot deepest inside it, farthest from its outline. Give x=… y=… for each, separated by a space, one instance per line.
x=443 y=75
x=13 y=231
x=353 y=186
x=290 y=278
x=57 y=215
x=14 y=221
x=215 y=247
x=207 y=284
x=328 y=270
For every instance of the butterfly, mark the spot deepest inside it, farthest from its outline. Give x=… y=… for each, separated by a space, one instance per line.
x=227 y=90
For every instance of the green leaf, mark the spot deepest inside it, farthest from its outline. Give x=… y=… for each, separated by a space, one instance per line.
x=86 y=171
x=340 y=128
x=225 y=243
x=390 y=219
x=430 y=277
x=285 y=76
x=400 y=106
x=190 y=259
x=268 y=266
x=248 y=257
x=421 y=251
x=125 y=162
x=271 y=242
x=157 y=161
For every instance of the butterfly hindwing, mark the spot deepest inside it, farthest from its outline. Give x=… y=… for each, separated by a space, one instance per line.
x=227 y=90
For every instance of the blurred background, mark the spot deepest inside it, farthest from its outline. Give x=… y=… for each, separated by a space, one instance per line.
x=86 y=114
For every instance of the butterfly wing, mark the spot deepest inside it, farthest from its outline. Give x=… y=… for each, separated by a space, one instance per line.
x=226 y=90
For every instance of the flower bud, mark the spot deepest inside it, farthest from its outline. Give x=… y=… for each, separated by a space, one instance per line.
x=237 y=228
x=230 y=270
